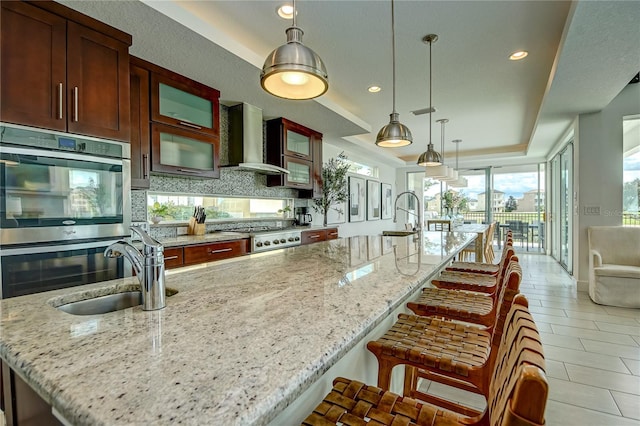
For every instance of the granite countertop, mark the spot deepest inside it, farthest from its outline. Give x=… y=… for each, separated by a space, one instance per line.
x=240 y=340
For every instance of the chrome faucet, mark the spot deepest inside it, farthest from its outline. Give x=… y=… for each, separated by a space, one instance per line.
x=396 y=208
x=148 y=267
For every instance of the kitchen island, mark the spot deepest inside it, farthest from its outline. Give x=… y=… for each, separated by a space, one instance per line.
x=240 y=341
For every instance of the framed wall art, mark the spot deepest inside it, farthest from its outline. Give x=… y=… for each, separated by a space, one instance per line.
x=373 y=200
x=357 y=199
x=337 y=213
x=386 y=196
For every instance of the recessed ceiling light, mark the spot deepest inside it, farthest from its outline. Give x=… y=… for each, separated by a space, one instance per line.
x=285 y=11
x=374 y=89
x=520 y=54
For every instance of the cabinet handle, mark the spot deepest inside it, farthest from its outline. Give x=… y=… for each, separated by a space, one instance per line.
x=170 y=257
x=60 y=106
x=333 y=233
x=145 y=166
x=190 y=171
x=219 y=250
x=314 y=236
x=297 y=154
x=75 y=103
x=193 y=126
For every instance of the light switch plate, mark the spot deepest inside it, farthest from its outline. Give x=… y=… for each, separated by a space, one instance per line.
x=143 y=225
x=591 y=210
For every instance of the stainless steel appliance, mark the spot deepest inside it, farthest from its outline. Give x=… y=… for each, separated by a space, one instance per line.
x=303 y=218
x=63 y=199
x=271 y=240
x=61 y=187
x=43 y=267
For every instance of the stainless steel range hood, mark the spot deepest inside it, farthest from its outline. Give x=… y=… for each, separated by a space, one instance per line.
x=246 y=141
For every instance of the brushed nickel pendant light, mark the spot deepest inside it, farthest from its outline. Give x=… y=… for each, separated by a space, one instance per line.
x=293 y=71
x=430 y=157
x=461 y=182
x=394 y=134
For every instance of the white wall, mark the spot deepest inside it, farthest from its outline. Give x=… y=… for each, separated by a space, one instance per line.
x=598 y=171
x=387 y=174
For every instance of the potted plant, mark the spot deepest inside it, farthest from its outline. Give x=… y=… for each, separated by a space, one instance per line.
x=158 y=211
x=334 y=186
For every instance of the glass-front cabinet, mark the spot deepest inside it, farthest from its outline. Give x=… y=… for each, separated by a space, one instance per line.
x=299 y=173
x=299 y=150
x=183 y=152
x=184 y=103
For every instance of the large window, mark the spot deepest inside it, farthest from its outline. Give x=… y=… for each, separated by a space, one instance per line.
x=631 y=172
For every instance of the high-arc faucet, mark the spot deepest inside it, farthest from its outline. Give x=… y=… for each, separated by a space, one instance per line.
x=396 y=208
x=148 y=266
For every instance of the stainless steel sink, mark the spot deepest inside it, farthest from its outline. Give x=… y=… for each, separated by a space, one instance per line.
x=397 y=233
x=108 y=303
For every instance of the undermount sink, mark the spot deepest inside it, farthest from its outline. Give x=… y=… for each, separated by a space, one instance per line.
x=109 y=303
x=397 y=233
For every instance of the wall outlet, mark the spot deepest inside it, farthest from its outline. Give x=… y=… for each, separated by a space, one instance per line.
x=181 y=230
x=278 y=224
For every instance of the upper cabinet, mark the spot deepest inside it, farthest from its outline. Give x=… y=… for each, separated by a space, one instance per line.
x=299 y=150
x=62 y=70
x=184 y=103
x=175 y=125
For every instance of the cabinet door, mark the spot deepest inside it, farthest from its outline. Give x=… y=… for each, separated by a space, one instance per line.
x=297 y=141
x=184 y=152
x=32 y=66
x=173 y=257
x=332 y=233
x=98 y=84
x=308 y=237
x=140 y=128
x=184 y=103
x=300 y=173
x=317 y=167
x=215 y=251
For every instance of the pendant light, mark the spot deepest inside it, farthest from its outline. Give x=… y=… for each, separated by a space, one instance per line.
x=394 y=134
x=440 y=172
x=461 y=182
x=452 y=174
x=293 y=71
x=430 y=157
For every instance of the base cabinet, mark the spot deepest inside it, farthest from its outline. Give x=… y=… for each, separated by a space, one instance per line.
x=315 y=236
x=173 y=257
x=215 y=251
x=22 y=405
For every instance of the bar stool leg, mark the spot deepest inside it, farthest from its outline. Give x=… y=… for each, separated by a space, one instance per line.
x=410 y=380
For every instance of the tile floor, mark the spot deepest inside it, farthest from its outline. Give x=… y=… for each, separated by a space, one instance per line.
x=592 y=351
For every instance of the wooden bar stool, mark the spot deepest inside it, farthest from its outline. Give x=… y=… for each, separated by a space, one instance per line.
x=470 y=306
x=516 y=396
x=471 y=281
x=480 y=267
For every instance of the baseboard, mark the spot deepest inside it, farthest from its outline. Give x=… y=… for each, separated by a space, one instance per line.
x=582 y=286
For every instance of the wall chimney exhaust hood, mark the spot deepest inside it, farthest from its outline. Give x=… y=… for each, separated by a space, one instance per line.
x=246 y=140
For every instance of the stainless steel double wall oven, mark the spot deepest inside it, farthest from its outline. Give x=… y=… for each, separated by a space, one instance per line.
x=63 y=199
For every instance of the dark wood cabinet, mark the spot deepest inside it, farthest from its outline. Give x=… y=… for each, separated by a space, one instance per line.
x=22 y=405
x=173 y=257
x=183 y=152
x=175 y=125
x=332 y=233
x=63 y=75
x=140 y=128
x=317 y=235
x=299 y=150
x=215 y=251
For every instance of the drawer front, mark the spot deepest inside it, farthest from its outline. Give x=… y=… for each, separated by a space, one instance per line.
x=309 y=237
x=173 y=257
x=332 y=233
x=215 y=251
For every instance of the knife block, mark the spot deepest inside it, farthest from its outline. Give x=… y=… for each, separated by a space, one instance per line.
x=195 y=228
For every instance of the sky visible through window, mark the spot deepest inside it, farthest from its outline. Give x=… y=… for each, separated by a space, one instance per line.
x=631 y=167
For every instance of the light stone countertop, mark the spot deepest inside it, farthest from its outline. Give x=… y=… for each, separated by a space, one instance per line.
x=242 y=339
x=188 y=240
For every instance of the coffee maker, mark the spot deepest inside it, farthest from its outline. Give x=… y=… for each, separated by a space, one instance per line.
x=303 y=218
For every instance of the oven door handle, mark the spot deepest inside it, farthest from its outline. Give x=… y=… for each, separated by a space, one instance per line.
x=61 y=155
x=40 y=248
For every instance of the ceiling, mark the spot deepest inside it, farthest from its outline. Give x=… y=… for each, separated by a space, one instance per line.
x=581 y=55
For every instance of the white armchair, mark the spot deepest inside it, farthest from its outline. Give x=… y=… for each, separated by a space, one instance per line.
x=614 y=265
